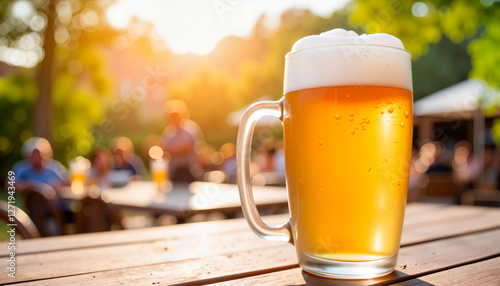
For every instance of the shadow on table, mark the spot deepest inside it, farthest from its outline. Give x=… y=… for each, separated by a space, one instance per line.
x=395 y=277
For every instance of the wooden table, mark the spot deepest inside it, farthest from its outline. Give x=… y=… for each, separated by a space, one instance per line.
x=441 y=245
x=181 y=199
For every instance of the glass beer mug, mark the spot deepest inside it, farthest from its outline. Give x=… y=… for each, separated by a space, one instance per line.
x=348 y=124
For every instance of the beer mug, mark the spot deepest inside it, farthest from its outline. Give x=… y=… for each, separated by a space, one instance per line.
x=348 y=124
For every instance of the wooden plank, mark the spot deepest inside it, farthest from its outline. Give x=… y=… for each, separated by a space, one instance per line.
x=417 y=214
x=74 y=261
x=415 y=229
x=471 y=220
x=483 y=273
x=149 y=235
x=413 y=261
x=187 y=270
x=194 y=241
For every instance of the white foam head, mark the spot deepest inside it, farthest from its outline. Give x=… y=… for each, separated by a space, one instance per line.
x=344 y=58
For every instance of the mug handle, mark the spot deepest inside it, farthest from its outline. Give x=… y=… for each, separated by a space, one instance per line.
x=243 y=149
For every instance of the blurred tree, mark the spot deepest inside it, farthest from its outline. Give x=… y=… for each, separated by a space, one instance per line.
x=59 y=38
x=454 y=66
x=17 y=99
x=421 y=23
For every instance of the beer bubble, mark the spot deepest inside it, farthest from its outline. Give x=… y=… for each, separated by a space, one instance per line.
x=352 y=131
x=391 y=109
x=402 y=124
x=407 y=114
x=338 y=116
x=365 y=120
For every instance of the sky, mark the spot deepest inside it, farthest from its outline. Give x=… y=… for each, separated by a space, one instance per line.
x=197 y=25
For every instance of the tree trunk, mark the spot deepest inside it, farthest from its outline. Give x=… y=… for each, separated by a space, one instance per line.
x=43 y=107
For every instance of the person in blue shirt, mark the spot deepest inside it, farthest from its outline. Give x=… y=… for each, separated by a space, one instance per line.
x=39 y=167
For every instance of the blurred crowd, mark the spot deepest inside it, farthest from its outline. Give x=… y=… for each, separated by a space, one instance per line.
x=181 y=147
x=460 y=167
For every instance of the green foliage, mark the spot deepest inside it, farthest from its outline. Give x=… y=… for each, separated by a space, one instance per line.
x=79 y=99
x=17 y=97
x=419 y=24
x=445 y=64
x=485 y=53
x=82 y=85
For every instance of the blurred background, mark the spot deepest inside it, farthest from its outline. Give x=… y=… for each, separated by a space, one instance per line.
x=81 y=73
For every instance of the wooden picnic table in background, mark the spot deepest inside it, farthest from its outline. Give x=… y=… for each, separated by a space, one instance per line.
x=182 y=199
x=441 y=245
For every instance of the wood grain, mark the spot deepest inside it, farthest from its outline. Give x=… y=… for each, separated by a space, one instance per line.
x=413 y=261
x=213 y=253
x=484 y=273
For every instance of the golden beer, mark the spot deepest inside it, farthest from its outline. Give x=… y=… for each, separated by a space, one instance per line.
x=160 y=177
x=348 y=124
x=347 y=153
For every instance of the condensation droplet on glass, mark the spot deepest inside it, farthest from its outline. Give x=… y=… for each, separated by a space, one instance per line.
x=352 y=131
x=395 y=141
x=402 y=124
x=363 y=128
x=351 y=114
x=391 y=109
x=338 y=116
x=407 y=114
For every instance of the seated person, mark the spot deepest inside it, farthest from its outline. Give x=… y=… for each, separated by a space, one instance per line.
x=101 y=172
x=39 y=165
x=125 y=158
